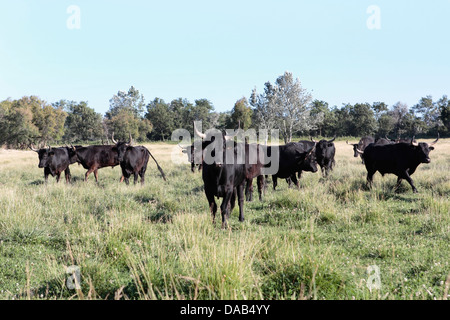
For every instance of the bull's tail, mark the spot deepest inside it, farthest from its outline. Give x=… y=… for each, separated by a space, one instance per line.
x=159 y=168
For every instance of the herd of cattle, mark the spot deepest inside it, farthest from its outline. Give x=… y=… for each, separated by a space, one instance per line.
x=132 y=160
x=230 y=179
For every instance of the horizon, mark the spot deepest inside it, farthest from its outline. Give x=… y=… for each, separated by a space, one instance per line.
x=352 y=52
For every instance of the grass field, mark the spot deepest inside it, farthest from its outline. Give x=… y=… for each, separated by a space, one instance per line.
x=158 y=242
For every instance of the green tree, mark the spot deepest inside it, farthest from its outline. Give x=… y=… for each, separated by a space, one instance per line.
x=16 y=124
x=444 y=110
x=428 y=112
x=286 y=106
x=123 y=124
x=132 y=101
x=240 y=114
x=162 y=119
x=343 y=120
x=362 y=120
x=82 y=122
x=320 y=109
x=125 y=116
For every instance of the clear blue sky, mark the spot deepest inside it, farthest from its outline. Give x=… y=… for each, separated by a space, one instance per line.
x=221 y=50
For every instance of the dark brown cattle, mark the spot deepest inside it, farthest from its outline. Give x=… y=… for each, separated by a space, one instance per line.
x=93 y=158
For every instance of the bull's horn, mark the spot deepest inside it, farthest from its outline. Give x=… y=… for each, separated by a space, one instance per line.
x=348 y=143
x=414 y=143
x=131 y=140
x=332 y=140
x=359 y=151
x=112 y=138
x=49 y=148
x=231 y=137
x=198 y=133
x=313 y=140
x=433 y=143
x=32 y=148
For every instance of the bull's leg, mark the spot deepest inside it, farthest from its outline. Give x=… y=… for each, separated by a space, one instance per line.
x=399 y=182
x=126 y=177
x=260 y=181
x=87 y=174
x=67 y=175
x=212 y=205
x=410 y=181
x=142 y=174
x=193 y=167
x=249 y=190
x=232 y=202
x=58 y=177
x=136 y=175
x=200 y=167
x=240 y=195
x=121 y=179
x=295 y=181
x=370 y=178
x=96 y=175
x=275 y=182
x=289 y=182
x=224 y=207
x=46 y=173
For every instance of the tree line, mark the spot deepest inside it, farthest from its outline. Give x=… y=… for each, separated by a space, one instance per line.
x=283 y=105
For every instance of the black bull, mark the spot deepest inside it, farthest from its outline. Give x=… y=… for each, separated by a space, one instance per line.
x=134 y=160
x=55 y=161
x=401 y=159
x=226 y=178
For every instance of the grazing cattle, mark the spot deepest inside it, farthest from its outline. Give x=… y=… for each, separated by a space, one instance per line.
x=401 y=159
x=134 y=160
x=361 y=145
x=325 y=152
x=55 y=161
x=291 y=159
x=194 y=158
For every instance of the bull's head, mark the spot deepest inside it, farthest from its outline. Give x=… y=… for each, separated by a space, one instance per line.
x=122 y=147
x=356 y=151
x=44 y=154
x=322 y=146
x=423 y=149
x=212 y=142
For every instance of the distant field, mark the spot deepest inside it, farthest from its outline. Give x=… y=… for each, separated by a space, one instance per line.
x=158 y=241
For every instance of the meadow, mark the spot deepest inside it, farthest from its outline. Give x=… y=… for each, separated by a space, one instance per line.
x=157 y=241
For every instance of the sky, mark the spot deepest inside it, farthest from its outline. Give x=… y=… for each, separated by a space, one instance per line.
x=343 y=51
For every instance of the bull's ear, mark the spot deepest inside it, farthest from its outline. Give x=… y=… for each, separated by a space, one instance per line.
x=431 y=148
x=51 y=153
